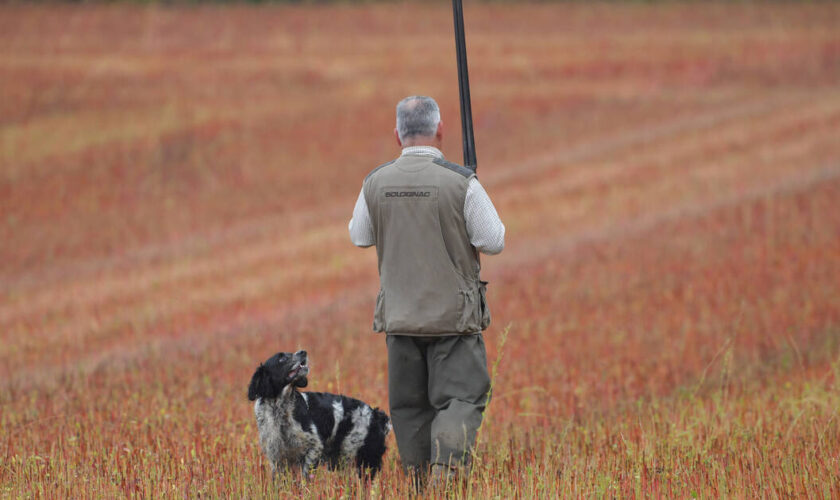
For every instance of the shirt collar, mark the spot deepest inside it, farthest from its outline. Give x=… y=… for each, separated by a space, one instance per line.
x=422 y=151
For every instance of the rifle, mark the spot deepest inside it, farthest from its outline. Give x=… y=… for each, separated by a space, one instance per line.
x=464 y=87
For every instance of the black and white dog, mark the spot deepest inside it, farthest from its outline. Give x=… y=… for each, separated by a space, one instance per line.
x=302 y=429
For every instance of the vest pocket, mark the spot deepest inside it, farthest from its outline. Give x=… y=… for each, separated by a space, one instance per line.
x=485 y=310
x=475 y=316
x=466 y=310
x=379 y=312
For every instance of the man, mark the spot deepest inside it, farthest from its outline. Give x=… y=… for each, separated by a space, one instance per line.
x=429 y=219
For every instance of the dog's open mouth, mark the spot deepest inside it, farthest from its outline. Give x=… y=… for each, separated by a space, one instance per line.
x=299 y=370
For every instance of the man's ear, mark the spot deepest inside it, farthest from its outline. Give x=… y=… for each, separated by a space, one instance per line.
x=439 y=131
x=397 y=135
x=260 y=384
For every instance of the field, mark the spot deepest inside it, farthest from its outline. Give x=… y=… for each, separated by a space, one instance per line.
x=175 y=187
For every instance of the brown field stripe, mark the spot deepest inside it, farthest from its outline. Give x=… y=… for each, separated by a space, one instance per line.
x=166 y=308
x=645 y=134
x=542 y=248
x=356 y=296
x=246 y=231
x=134 y=288
x=713 y=152
x=120 y=289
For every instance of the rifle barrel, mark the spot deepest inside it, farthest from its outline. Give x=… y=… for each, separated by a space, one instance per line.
x=464 y=87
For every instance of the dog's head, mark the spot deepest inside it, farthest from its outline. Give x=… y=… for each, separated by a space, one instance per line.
x=280 y=371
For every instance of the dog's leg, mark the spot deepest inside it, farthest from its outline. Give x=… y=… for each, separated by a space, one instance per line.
x=304 y=469
x=310 y=461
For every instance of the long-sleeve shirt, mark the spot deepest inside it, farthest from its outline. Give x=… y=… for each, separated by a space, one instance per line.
x=485 y=229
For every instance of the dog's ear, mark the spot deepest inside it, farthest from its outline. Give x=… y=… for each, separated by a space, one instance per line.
x=260 y=384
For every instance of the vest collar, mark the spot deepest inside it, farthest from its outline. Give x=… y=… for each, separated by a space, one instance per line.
x=422 y=151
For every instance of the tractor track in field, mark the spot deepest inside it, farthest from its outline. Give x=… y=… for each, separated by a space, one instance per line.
x=196 y=340
x=769 y=153
x=124 y=291
x=729 y=139
x=249 y=231
x=646 y=134
x=544 y=248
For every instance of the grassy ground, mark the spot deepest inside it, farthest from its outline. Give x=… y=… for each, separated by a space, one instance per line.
x=175 y=185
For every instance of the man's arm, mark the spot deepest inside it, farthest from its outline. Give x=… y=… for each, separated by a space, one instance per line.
x=485 y=229
x=360 y=227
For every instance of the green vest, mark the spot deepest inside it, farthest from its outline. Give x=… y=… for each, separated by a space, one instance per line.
x=428 y=269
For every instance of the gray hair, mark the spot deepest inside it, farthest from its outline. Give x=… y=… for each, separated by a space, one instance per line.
x=417 y=116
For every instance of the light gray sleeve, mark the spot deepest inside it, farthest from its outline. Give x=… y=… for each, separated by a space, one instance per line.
x=485 y=229
x=360 y=227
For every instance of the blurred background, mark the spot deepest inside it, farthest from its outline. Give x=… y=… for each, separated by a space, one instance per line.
x=176 y=182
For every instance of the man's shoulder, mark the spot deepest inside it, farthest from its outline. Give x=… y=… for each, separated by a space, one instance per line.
x=380 y=167
x=466 y=172
x=460 y=170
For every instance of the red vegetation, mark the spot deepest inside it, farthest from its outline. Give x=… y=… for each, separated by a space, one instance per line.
x=175 y=185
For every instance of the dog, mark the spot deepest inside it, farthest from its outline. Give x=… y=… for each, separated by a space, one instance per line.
x=303 y=429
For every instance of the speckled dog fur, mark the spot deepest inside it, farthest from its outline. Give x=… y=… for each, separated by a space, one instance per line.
x=301 y=429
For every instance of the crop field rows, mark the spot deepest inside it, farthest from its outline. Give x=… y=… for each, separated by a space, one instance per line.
x=175 y=186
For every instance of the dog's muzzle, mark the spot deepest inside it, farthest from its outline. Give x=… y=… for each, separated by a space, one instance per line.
x=300 y=368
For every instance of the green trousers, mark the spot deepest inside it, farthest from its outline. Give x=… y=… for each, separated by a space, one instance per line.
x=437 y=390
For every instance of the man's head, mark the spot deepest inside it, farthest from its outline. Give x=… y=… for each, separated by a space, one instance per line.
x=418 y=122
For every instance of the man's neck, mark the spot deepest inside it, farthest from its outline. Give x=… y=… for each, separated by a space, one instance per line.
x=409 y=143
x=428 y=141
x=422 y=150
